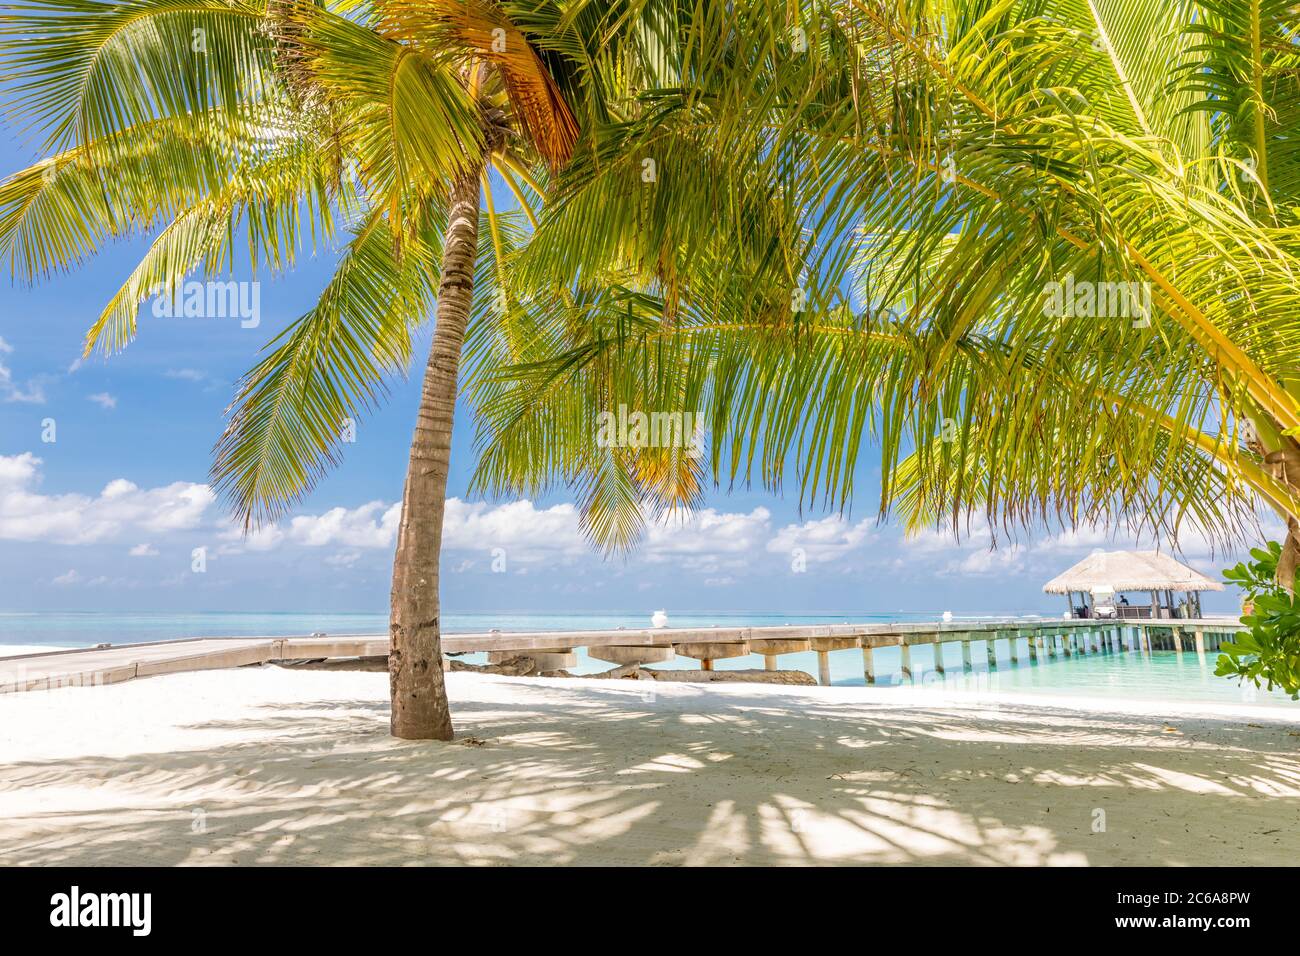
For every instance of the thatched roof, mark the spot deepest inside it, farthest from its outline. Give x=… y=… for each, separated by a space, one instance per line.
x=1130 y=571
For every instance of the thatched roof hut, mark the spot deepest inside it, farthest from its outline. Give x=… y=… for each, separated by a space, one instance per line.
x=1107 y=573
x=1130 y=571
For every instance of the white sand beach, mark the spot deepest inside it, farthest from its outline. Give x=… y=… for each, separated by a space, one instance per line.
x=271 y=766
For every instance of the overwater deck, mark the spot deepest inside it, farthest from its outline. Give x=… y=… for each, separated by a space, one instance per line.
x=555 y=649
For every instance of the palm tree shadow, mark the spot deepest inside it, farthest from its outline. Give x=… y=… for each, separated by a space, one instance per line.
x=601 y=774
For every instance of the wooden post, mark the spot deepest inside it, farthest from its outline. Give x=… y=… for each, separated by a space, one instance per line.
x=906 y=653
x=991 y=651
x=824 y=668
x=1033 y=645
x=1178 y=639
x=938 y=656
x=868 y=665
x=706 y=665
x=1065 y=643
x=965 y=656
x=1051 y=644
x=769 y=662
x=1012 y=638
x=1199 y=636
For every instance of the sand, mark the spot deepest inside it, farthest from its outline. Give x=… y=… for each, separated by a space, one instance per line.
x=270 y=766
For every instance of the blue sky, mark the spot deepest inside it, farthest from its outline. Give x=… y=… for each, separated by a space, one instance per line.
x=108 y=514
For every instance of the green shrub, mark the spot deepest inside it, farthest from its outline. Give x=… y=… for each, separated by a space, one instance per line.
x=1269 y=651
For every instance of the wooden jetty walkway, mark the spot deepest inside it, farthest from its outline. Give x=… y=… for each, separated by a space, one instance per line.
x=553 y=650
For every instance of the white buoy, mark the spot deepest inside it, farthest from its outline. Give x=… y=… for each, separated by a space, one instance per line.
x=659 y=618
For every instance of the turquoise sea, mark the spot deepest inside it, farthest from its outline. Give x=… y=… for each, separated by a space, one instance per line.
x=1163 y=675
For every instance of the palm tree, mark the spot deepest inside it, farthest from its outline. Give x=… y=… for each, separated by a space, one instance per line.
x=959 y=165
x=295 y=121
x=267 y=126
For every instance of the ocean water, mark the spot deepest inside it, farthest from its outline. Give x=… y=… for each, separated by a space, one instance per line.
x=1162 y=675
x=84 y=629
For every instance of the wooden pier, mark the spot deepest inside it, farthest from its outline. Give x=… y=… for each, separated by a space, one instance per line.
x=1065 y=638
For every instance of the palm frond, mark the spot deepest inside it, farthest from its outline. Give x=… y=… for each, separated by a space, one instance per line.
x=291 y=414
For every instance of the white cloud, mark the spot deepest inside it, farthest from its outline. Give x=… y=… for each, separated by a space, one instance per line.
x=103 y=400
x=708 y=541
x=262 y=539
x=708 y=532
x=186 y=374
x=1004 y=561
x=973 y=555
x=371 y=525
x=520 y=527
x=100 y=581
x=27 y=515
x=10 y=391
x=143 y=551
x=825 y=539
x=1047 y=553
x=1086 y=539
x=931 y=541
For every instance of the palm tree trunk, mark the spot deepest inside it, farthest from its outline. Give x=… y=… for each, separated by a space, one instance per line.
x=419 y=697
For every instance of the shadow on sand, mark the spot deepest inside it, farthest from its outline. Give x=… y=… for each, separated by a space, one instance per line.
x=596 y=774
